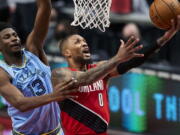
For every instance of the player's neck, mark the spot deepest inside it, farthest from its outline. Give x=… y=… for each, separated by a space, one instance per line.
x=16 y=59
x=79 y=67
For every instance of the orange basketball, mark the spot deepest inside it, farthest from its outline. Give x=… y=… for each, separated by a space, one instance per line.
x=162 y=11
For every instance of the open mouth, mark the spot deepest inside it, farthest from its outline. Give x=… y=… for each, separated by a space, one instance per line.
x=16 y=45
x=86 y=50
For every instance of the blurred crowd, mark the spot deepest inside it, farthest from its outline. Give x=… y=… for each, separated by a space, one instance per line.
x=21 y=14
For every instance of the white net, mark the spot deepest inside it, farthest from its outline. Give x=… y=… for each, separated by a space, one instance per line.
x=92 y=13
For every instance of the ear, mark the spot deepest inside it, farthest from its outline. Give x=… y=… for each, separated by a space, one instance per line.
x=1 y=43
x=67 y=53
x=0 y=46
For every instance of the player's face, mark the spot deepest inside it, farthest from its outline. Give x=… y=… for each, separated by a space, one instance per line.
x=79 y=48
x=9 y=41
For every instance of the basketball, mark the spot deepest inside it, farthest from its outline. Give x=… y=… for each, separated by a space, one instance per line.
x=162 y=11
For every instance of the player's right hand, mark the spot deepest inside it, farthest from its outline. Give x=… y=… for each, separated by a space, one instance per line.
x=168 y=35
x=128 y=50
x=65 y=90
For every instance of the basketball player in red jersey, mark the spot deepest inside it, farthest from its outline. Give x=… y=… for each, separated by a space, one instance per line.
x=89 y=113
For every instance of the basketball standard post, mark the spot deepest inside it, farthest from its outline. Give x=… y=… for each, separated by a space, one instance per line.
x=92 y=14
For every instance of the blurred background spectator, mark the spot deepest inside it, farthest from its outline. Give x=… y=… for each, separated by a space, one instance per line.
x=4 y=11
x=131 y=29
x=55 y=34
x=23 y=15
x=129 y=6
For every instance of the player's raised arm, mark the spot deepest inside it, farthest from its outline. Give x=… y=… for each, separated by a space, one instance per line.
x=125 y=53
x=175 y=27
x=36 y=38
x=149 y=50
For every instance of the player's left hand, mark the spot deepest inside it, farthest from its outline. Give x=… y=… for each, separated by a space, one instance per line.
x=171 y=32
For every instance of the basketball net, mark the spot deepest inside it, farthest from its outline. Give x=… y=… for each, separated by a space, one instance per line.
x=92 y=14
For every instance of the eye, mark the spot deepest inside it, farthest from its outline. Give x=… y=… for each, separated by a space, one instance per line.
x=15 y=34
x=6 y=36
x=77 y=41
x=84 y=40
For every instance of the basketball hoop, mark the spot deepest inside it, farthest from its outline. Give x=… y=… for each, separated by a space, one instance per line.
x=92 y=14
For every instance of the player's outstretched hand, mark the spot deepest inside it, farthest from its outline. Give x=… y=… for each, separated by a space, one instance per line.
x=171 y=32
x=128 y=50
x=65 y=90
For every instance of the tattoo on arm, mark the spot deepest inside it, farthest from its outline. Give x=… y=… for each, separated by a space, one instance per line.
x=97 y=73
x=85 y=78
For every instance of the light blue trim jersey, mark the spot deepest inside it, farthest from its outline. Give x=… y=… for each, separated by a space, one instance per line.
x=33 y=79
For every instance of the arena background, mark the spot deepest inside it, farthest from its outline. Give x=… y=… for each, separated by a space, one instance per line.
x=144 y=101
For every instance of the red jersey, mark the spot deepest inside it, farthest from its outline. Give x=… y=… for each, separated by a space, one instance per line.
x=89 y=113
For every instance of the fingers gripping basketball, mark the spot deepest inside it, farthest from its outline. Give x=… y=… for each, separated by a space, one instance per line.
x=163 y=11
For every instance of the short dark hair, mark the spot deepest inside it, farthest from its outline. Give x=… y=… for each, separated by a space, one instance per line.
x=62 y=43
x=4 y=25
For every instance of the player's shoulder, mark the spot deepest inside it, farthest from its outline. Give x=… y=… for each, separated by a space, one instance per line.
x=59 y=71
x=28 y=53
x=3 y=68
x=4 y=75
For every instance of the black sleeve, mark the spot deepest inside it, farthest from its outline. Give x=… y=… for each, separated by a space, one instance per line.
x=147 y=51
